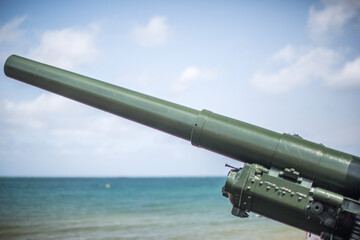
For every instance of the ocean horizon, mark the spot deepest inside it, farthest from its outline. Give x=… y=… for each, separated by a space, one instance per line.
x=126 y=208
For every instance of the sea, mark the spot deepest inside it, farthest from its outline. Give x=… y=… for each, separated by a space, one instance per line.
x=127 y=208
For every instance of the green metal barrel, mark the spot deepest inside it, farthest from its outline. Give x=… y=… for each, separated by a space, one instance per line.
x=327 y=168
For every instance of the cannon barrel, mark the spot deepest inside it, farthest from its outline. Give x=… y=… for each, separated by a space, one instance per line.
x=327 y=168
x=285 y=177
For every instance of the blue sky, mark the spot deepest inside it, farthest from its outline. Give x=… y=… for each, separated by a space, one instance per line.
x=289 y=66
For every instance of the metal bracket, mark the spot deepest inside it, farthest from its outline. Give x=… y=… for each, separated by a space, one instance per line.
x=292 y=174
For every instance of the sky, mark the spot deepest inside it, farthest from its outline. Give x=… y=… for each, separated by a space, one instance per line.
x=288 y=66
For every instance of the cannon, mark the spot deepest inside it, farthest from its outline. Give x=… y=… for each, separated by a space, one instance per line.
x=286 y=178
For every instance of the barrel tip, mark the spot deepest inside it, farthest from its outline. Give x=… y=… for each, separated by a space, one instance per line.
x=10 y=57
x=7 y=63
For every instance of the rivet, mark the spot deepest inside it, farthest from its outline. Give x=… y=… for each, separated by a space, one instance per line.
x=252 y=180
x=276 y=188
x=248 y=188
x=299 y=198
x=267 y=188
x=261 y=183
x=249 y=197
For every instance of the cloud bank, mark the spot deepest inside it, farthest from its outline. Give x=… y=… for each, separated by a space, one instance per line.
x=300 y=66
x=62 y=124
x=329 y=21
x=10 y=31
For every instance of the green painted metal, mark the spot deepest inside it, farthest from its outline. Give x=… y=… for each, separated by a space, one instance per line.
x=297 y=161
x=165 y=116
x=295 y=202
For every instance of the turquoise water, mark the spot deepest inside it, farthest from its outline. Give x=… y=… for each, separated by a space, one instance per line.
x=126 y=208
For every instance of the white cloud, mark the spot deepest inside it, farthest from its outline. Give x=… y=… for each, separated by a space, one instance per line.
x=347 y=76
x=190 y=76
x=67 y=48
x=286 y=54
x=321 y=64
x=60 y=123
x=302 y=66
x=316 y=63
x=154 y=34
x=324 y=23
x=33 y=115
x=10 y=31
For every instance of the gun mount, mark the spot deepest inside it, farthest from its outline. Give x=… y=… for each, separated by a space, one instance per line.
x=285 y=178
